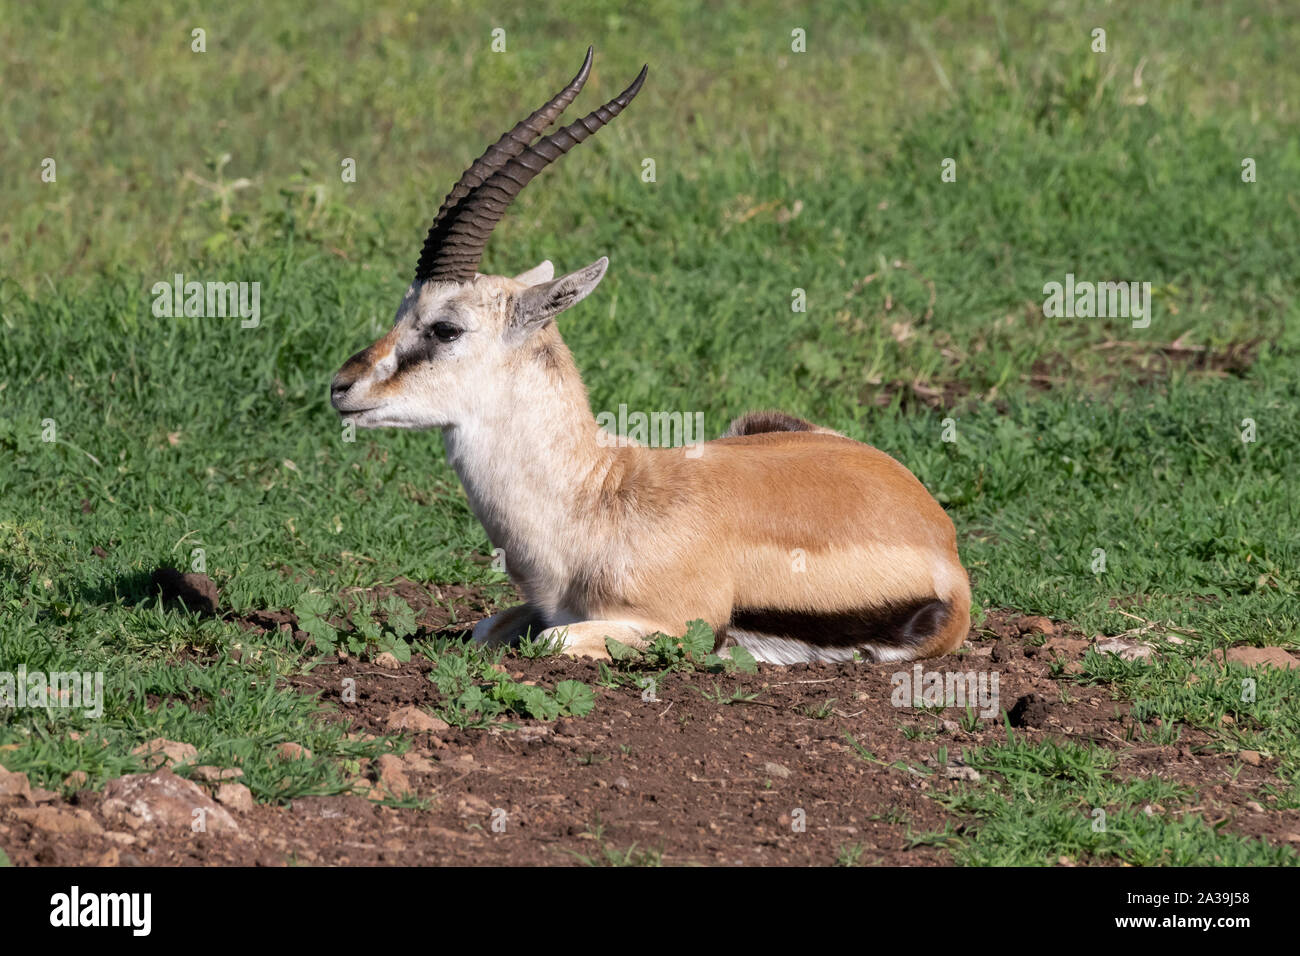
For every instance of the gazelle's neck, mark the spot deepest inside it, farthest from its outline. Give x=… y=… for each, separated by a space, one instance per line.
x=530 y=460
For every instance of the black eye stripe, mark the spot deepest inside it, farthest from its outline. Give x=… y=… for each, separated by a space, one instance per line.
x=432 y=337
x=406 y=359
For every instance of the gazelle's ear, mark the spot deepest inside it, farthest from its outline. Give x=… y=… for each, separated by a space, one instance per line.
x=544 y=271
x=537 y=305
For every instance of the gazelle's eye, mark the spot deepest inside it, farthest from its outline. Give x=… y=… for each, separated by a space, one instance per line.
x=446 y=332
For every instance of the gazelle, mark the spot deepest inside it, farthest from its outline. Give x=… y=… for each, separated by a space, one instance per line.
x=790 y=540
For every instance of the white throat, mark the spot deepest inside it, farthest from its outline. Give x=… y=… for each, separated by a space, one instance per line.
x=528 y=464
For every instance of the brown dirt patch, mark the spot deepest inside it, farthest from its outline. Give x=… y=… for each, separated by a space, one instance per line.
x=1136 y=363
x=438 y=608
x=684 y=776
x=446 y=609
x=1145 y=364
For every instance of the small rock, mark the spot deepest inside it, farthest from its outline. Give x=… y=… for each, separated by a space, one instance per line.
x=163 y=800
x=534 y=732
x=1251 y=757
x=236 y=796
x=124 y=839
x=215 y=774
x=1259 y=657
x=291 y=751
x=161 y=752
x=472 y=805
x=14 y=787
x=1036 y=624
x=1031 y=710
x=1124 y=649
x=271 y=620
x=415 y=720
x=418 y=762
x=196 y=591
x=388 y=661
x=54 y=820
x=776 y=770
x=1070 y=646
x=392 y=775
x=1004 y=651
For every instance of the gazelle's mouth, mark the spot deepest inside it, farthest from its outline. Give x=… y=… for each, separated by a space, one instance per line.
x=371 y=417
x=358 y=415
x=339 y=399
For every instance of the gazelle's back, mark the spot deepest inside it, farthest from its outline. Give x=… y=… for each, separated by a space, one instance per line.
x=792 y=481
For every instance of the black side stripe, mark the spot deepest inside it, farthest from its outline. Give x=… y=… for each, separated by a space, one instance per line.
x=895 y=624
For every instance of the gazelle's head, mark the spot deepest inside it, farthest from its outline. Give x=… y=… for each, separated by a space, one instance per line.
x=459 y=336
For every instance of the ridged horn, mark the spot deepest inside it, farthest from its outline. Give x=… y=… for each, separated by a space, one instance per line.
x=514 y=142
x=455 y=243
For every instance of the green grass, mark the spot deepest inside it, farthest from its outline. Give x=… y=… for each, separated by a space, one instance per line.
x=194 y=433
x=609 y=855
x=1246 y=708
x=1050 y=801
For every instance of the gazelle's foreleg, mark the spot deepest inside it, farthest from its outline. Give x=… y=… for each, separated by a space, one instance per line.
x=506 y=627
x=587 y=638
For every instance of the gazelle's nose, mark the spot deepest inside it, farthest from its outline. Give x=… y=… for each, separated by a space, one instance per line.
x=351 y=372
x=339 y=389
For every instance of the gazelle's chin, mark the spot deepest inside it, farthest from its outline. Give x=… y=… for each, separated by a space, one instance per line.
x=367 y=418
x=381 y=417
